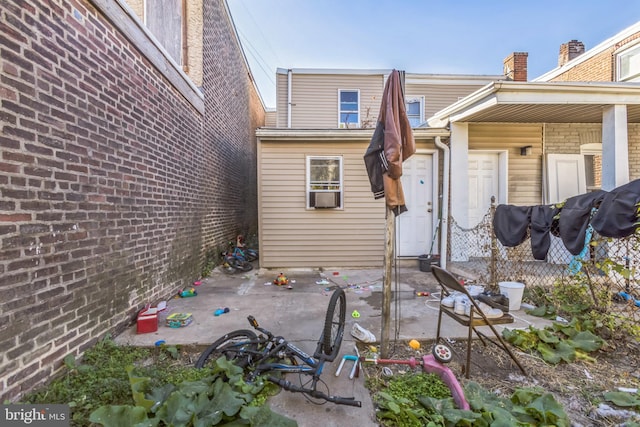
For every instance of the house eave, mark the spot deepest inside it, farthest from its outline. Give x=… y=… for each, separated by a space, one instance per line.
x=545 y=102
x=285 y=134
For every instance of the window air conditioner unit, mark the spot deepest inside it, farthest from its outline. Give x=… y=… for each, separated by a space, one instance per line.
x=326 y=200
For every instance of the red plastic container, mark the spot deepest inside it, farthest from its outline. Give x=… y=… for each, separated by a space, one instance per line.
x=147 y=320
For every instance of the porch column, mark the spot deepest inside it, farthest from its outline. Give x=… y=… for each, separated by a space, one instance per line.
x=615 y=147
x=459 y=179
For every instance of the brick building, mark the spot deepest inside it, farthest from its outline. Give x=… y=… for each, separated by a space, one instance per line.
x=118 y=172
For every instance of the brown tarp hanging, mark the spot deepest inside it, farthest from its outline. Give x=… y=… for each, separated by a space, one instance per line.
x=391 y=144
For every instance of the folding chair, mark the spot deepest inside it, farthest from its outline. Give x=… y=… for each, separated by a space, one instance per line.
x=476 y=317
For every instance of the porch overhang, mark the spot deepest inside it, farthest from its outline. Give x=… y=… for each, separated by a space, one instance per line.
x=536 y=102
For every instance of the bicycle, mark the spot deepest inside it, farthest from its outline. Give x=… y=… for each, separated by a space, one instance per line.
x=267 y=354
x=235 y=261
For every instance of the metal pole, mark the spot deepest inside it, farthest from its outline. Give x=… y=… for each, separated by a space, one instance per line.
x=390 y=229
x=494 y=247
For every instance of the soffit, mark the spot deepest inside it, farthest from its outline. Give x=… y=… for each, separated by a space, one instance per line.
x=512 y=102
x=547 y=113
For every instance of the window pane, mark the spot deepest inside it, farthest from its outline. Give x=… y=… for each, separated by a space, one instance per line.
x=348 y=106
x=349 y=117
x=414 y=121
x=629 y=65
x=324 y=174
x=349 y=96
x=413 y=108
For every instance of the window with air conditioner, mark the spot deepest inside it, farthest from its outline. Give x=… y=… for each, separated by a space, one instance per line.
x=324 y=182
x=348 y=108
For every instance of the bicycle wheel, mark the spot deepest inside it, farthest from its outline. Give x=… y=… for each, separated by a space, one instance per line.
x=334 y=323
x=244 y=266
x=237 y=346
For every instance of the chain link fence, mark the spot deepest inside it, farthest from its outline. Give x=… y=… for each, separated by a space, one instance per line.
x=610 y=268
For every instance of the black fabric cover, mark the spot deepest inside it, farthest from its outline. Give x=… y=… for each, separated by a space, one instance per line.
x=541 y=225
x=574 y=219
x=511 y=224
x=375 y=161
x=616 y=216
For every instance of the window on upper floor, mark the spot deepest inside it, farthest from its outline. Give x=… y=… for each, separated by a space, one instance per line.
x=628 y=62
x=415 y=110
x=349 y=108
x=324 y=182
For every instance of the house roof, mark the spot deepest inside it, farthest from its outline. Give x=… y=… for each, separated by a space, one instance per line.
x=541 y=102
x=410 y=78
x=603 y=46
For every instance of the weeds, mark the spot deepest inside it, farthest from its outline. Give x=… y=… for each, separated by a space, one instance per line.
x=114 y=383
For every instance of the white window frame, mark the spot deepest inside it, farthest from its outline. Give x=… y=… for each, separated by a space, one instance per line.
x=311 y=188
x=630 y=52
x=341 y=124
x=412 y=99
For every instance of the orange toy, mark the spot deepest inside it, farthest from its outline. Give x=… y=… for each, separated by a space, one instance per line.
x=281 y=280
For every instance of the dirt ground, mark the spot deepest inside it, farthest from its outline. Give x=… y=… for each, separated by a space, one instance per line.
x=577 y=386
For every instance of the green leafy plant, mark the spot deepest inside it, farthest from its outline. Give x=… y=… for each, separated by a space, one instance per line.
x=220 y=398
x=558 y=342
x=526 y=407
x=211 y=259
x=397 y=398
x=126 y=386
x=624 y=399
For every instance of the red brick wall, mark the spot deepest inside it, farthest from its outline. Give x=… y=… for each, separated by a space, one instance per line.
x=113 y=185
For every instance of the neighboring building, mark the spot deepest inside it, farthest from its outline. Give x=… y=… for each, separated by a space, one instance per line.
x=119 y=172
x=524 y=143
x=574 y=129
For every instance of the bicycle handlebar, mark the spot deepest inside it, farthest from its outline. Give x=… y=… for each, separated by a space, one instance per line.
x=287 y=385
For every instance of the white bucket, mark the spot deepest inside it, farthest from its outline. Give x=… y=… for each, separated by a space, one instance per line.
x=513 y=291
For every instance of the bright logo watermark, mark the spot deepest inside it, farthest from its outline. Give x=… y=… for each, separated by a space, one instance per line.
x=34 y=415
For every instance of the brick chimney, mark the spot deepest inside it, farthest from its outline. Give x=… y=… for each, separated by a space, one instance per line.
x=570 y=50
x=515 y=66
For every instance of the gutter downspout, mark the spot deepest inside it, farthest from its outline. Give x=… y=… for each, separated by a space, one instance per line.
x=289 y=79
x=185 y=35
x=444 y=221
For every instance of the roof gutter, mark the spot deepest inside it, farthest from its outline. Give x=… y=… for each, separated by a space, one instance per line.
x=289 y=80
x=444 y=205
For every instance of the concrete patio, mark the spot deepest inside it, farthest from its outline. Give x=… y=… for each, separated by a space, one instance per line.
x=298 y=315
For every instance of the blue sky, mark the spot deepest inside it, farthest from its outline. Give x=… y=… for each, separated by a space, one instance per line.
x=436 y=37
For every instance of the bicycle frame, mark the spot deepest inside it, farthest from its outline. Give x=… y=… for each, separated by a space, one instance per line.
x=311 y=365
x=266 y=353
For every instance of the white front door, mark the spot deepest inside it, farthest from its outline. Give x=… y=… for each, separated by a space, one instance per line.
x=484 y=183
x=414 y=228
x=565 y=177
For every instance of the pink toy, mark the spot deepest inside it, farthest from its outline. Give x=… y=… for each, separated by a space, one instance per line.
x=432 y=366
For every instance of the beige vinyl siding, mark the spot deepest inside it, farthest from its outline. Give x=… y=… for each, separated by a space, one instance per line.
x=524 y=172
x=281 y=100
x=315 y=99
x=438 y=96
x=270 y=119
x=292 y=235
